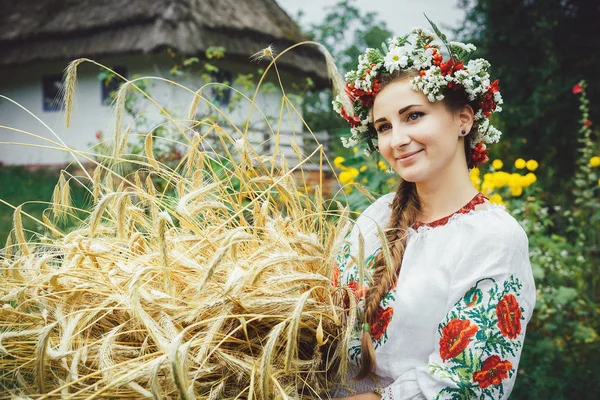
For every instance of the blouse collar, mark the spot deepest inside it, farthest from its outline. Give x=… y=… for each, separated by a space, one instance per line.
x=479 y=198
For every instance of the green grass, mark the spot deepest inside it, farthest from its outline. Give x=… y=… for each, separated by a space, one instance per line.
x=19 y=185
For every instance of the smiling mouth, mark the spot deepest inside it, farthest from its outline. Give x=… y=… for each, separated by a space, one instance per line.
x=408 y=157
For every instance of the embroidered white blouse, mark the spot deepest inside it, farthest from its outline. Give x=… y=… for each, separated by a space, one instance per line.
x=453 y=325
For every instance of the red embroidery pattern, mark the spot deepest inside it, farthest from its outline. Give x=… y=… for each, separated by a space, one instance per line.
x=470 y=206
x=456 y=336
x=493 y=371
x=383 y=318
x=509 y=316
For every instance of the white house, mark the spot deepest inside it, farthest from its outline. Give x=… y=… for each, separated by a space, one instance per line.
x=135 y=37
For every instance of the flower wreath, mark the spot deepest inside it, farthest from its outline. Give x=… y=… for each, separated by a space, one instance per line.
x=416 y=51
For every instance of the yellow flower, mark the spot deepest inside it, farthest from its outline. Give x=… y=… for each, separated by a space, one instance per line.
x=390 y=181
x=487 y=187
x=500 y=178
x=382 y=166
x=353 y=172
x=363 y=168
x=516 y=191
x=520 y=163
x=337 y=162
x=496 y=199
x=531 y=178
x=365 y=180
x=595 y=161
x=497 y=164
x=355 y=149
x=475 y=180
x=345 y=177
x=514 y=179
x=532 y=165
x=348 y=189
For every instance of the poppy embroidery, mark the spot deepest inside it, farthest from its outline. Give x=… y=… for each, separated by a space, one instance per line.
x=456 y=337
x=509 y=316
x=493 y=372
x=476 y=338
x=383 y=318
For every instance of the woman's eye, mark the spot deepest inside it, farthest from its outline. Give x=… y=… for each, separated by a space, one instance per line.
x=410 y=116
x=383 y=127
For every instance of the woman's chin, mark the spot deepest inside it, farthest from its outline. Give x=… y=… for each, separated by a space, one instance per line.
x=410 y=176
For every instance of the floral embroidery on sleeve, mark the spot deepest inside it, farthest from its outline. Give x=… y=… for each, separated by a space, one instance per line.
x=476 y=339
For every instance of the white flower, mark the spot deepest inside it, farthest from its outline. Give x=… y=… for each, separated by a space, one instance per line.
x=492 y=135
x=337 y=104
x=421 y=62
x=395 y=59
x=431 y=97
x=468 y=47
x=349 y=141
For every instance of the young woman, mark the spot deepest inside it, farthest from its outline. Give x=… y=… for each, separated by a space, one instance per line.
x=445 y=316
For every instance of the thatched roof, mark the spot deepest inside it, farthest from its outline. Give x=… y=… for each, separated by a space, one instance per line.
x=69 y=29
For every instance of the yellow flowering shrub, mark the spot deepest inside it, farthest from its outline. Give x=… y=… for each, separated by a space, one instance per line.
x=493 y=183
x=595 y=161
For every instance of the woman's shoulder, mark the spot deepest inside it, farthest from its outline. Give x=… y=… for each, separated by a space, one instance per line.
x=492 y=223
x=374 y=217
x=378 y=211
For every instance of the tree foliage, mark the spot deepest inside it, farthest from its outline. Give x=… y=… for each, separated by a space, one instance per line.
x=538 y=50
x=346 y=32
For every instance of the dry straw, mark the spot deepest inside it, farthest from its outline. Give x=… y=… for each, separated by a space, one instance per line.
x=206 y=280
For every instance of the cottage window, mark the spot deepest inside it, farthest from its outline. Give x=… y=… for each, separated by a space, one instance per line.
x=221 y=94
x=110 y=83
x=52 y=92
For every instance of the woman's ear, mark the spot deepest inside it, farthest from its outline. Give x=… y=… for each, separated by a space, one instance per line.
x=466 y=116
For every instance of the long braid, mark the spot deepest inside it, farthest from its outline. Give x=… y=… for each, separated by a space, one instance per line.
x=404 y=213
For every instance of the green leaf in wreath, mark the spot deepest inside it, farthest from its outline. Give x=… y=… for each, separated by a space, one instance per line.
x=440 y=35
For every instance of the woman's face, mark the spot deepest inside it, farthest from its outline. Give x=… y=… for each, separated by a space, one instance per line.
x=407 y=122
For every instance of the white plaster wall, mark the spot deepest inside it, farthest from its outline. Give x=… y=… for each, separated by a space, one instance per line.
x=24 y=85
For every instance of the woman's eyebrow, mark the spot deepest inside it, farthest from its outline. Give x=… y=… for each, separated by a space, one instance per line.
x=402 y=111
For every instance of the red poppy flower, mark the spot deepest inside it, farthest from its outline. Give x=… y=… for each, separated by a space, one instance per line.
x=493 y=372
x=587 y=122
x=455 y=338
x=577 y=88
x=383 y=318
x=509 y=316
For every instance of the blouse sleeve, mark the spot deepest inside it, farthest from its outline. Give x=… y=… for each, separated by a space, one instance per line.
x=479 y=341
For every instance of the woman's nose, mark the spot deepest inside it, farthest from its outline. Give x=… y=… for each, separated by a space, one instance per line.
x=399 y=137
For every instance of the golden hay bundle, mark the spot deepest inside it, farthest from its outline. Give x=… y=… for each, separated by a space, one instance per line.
x=217 y=287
